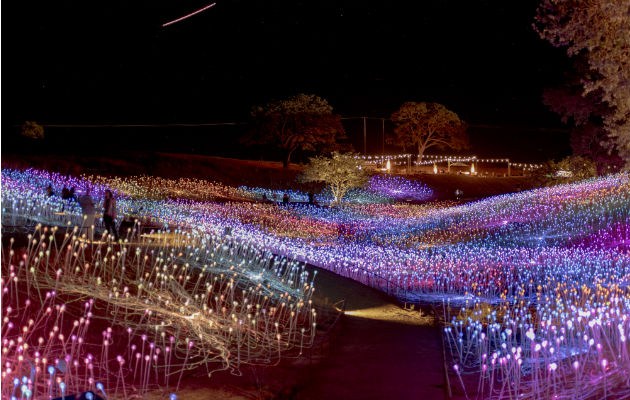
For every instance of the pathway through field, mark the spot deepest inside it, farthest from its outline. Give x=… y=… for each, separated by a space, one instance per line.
x=381 y=351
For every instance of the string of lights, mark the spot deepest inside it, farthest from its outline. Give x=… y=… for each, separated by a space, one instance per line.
x=429 y=159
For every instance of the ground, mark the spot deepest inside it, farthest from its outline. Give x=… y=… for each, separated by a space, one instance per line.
x=229 y=171
x=380 y=349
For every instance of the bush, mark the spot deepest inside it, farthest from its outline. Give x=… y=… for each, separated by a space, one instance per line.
x=568 y=170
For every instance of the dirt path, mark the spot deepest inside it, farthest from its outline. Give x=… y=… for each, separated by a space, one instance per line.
x=381 y=351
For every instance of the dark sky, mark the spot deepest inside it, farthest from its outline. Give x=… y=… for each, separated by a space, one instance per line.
x=103 y=62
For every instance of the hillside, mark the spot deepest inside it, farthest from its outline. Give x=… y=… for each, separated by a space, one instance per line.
x=233 y=172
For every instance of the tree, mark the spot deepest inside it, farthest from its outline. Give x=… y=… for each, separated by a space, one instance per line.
x=339 y=171
x=589 y=137
x=588 y=140
x=33 y=130
x=303 y=122
x=599 y=31
x=426 y=125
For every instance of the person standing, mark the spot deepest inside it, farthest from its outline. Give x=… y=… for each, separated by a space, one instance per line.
x=71 y=195
x=285 y=199
x=87 y=206
x=109 y=214
x=65 y=198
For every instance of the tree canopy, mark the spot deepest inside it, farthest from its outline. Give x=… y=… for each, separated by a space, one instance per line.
x=599 y=32
x=586 y=112
x=33 y=130
x=304 y=121
x=425 y=125
x=339 y=171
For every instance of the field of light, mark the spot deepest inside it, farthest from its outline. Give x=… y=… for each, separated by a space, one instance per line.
x=534 y=286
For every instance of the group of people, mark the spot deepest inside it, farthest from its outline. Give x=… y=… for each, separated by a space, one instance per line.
x=286 y=199
x=89 y=210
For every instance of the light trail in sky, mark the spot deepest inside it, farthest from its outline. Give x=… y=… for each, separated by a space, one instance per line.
x=188 y=15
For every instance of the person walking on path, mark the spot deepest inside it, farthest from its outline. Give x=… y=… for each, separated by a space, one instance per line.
x=109 y=214
x=87 y=206
x=285 y=199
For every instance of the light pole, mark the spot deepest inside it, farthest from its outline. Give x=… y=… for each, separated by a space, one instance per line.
x=383 y=149
x=365 y=131
x=364 y=135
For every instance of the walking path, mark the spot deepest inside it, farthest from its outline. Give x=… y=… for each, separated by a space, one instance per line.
x=382 y=351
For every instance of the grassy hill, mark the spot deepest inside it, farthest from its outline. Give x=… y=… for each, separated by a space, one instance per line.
x=234 y=172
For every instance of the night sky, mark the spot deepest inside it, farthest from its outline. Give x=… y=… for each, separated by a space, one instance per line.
x=112 y=62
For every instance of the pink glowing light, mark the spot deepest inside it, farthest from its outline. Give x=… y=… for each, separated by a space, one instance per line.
x=188 y=15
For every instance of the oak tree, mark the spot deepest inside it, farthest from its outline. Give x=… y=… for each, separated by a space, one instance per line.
x=425 y=125
x=304 y=121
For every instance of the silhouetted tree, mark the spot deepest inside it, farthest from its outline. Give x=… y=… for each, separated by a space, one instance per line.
x=586 y=112
x=33 y=130
x=589 y=140
x=304 y=121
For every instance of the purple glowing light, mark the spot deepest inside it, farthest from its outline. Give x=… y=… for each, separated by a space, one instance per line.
x=188 y=15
